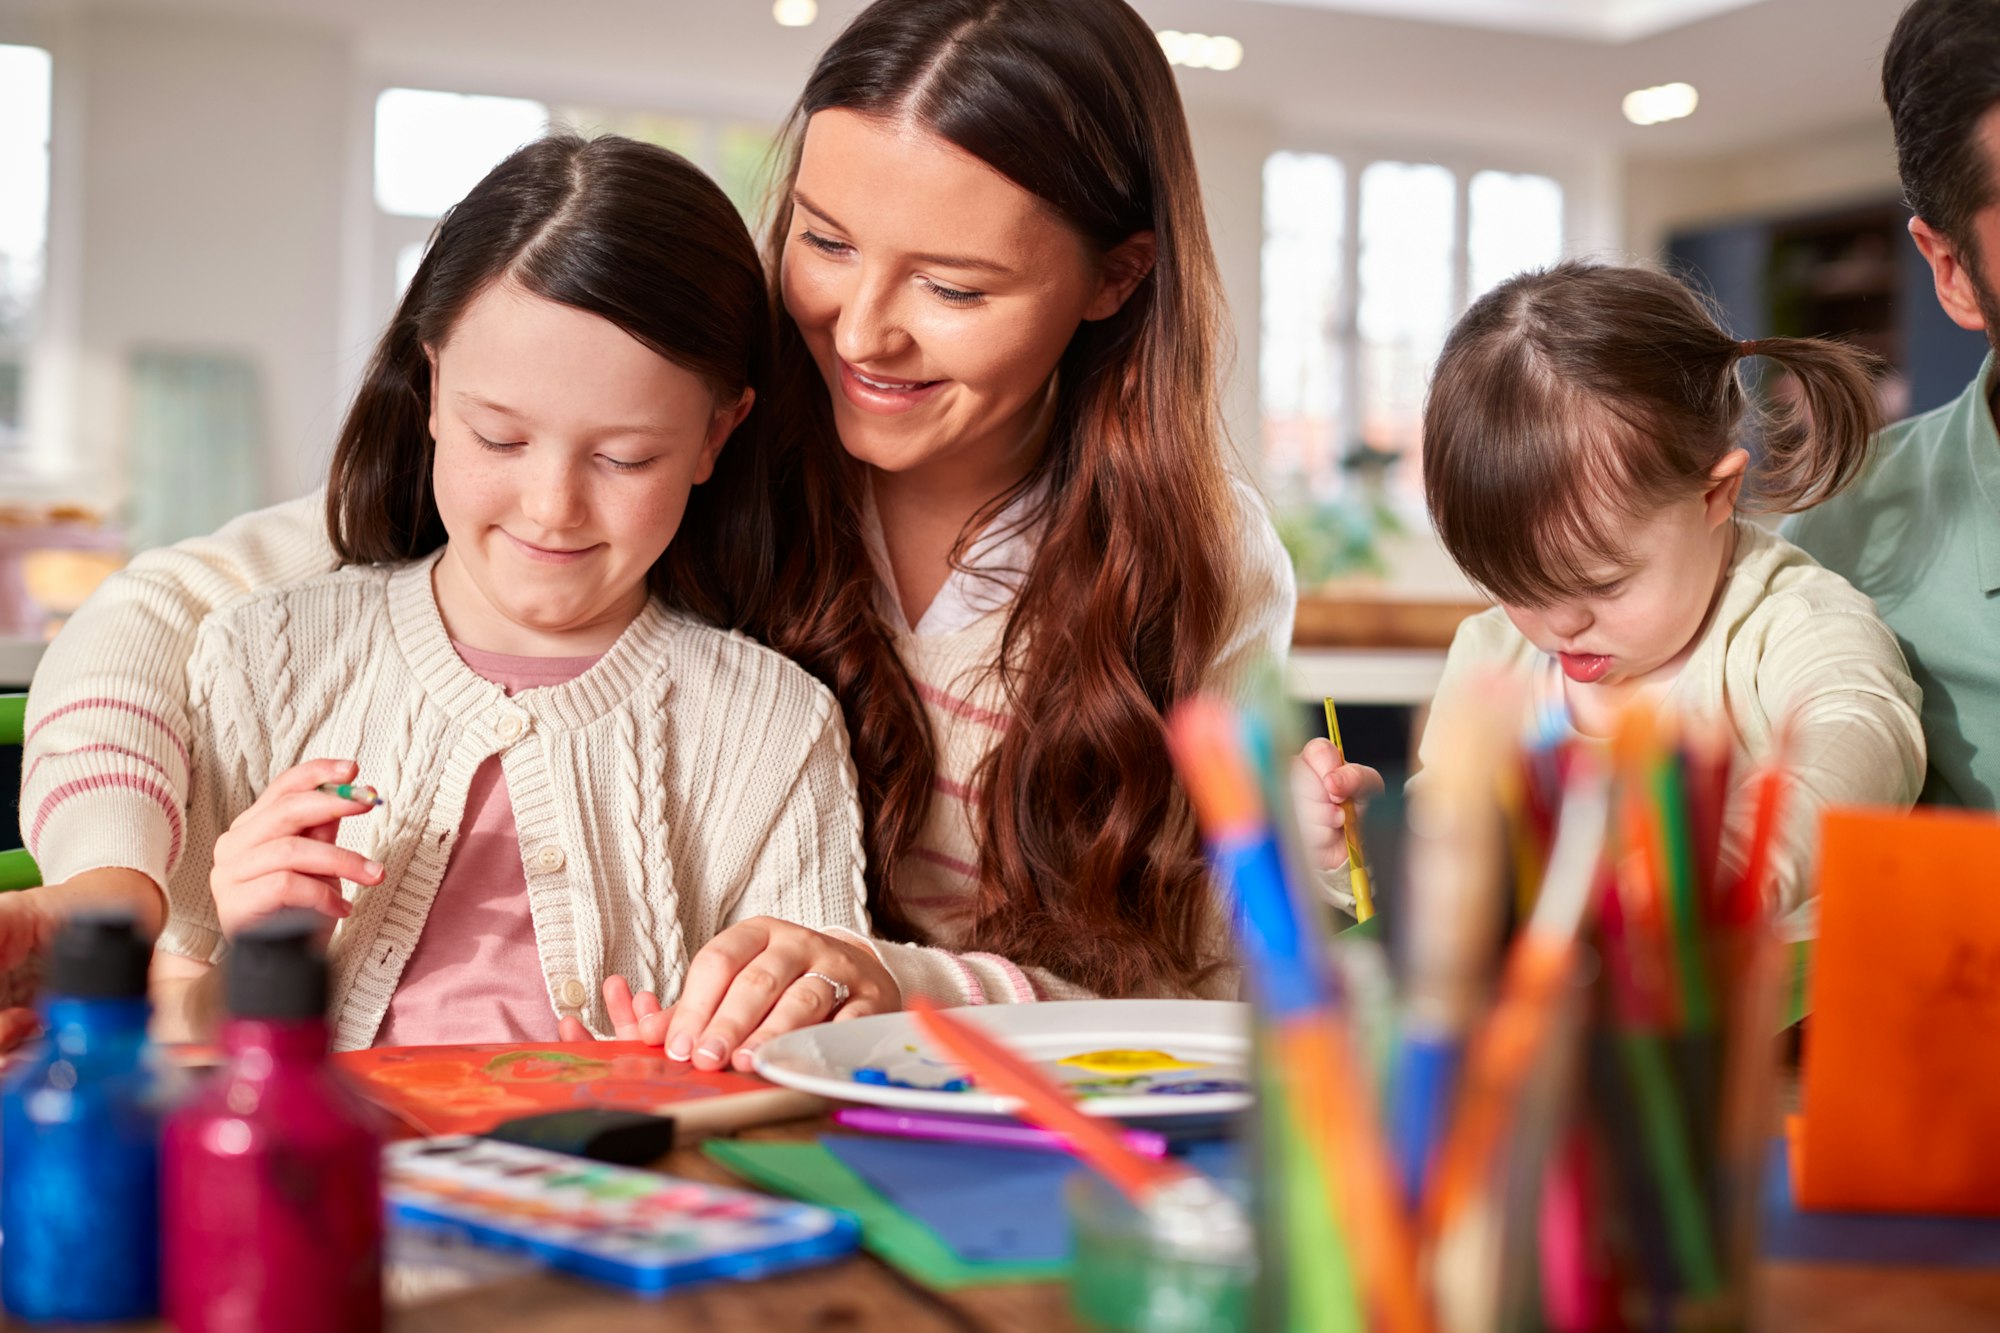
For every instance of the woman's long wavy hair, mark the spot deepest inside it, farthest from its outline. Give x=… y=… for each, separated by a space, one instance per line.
x=619 y=229
x=1089 y=863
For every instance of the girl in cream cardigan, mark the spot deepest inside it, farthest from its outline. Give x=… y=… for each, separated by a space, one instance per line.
x=579 y=776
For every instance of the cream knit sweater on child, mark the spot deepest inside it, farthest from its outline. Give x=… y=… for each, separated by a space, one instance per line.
x=690 y=779
x=109 y=725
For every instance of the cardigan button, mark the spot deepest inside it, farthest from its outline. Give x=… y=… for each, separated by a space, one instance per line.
x=510 y=726
x=549 y=857
x=573 y=994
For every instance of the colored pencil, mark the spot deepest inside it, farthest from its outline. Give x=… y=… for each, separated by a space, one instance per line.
x=1317 y=1073
x=359 y=792
x=1455 y=918
x=1357 y=869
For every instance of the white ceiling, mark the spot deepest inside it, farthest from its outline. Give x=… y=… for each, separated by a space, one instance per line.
x=1599 y=20
x=1536 y=73
x=1766 y=71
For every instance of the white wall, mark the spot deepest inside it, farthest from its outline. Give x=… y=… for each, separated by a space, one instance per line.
x=1230 y=148
x=1842 y=165
x=210 y=210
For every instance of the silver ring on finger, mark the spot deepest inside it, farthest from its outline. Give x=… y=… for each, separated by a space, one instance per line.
x=839 y=987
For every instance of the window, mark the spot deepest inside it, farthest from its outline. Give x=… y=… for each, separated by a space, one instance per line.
x=25 y=80
x=1405 y=305
x=1517 y=223
x=432 y=147
x=1364 y=271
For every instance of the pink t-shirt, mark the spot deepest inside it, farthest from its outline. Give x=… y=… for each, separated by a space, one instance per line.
x=476 y=974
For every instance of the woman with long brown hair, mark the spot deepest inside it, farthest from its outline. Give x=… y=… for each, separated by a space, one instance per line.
x=1021 y=541
x=1012 y=538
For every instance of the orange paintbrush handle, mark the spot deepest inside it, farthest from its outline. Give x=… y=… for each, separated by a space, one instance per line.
x=998 y=1069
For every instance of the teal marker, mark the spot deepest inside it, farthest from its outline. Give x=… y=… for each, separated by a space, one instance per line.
x=359 y=792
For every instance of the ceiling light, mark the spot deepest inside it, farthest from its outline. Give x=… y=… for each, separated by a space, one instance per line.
x=795 y=13
x=1196 y=50
x=1669 y=101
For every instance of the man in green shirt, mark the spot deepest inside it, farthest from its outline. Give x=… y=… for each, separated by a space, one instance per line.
x=1920 y=531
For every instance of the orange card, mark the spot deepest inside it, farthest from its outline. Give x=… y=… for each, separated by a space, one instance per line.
x=1901 y=1095
x=470 y=1089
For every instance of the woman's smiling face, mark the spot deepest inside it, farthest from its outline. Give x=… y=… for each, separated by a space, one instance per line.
x=936 y=295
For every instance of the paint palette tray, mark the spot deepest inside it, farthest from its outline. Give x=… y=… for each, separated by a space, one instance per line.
x=647 y=1232
x=1122 y=1059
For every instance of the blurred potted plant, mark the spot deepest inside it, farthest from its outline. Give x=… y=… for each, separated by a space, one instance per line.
x=1340 y=536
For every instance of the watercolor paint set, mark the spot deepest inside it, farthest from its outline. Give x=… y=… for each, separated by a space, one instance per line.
x=640 y=1230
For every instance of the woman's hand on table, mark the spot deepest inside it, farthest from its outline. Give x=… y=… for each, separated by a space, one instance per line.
x=1321 y=782
x=756 y=980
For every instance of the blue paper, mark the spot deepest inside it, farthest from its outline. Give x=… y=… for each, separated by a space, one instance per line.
x=1791 y=1234
x=988 y=1205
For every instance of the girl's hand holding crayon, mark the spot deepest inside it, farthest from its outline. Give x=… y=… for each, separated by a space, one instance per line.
x=280 y=852
x=756 y=980
x=1322 y=782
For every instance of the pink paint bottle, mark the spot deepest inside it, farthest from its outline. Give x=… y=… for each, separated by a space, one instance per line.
x=271 y=1191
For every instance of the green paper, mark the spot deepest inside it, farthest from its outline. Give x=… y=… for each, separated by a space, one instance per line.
x=808 y=1172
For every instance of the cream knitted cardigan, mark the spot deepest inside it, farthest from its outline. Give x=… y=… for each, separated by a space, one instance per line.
x=109 y=728
x=688 y=780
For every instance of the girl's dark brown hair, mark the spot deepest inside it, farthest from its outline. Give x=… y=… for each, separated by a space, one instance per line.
x=1572 y=399
x=623 y=230
x=1089 y=865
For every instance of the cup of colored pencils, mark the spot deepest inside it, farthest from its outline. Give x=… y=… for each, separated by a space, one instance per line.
x=1682 y=1056
x=1564 y=1128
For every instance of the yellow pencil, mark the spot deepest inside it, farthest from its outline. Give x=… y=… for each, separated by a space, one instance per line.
x=1364 y=897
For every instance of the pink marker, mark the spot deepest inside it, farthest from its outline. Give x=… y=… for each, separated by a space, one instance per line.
x=992 y=1134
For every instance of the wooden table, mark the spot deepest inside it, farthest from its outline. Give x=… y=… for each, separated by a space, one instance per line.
x=862 y=1293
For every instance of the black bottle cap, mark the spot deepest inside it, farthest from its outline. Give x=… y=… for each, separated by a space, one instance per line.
x=100 y=956
x=275 y=970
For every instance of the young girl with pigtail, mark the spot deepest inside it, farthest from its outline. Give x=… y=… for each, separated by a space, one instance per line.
x=1588 y=461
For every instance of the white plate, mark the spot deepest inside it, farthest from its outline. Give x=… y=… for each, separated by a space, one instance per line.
x=1211 y=1038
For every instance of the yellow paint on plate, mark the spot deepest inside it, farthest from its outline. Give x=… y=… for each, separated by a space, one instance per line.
x=1129 y=1062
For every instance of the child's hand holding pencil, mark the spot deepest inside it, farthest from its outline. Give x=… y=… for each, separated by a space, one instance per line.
x=1327 y=791
x=281 y=852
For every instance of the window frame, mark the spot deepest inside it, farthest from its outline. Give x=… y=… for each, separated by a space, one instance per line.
x=1355 y=155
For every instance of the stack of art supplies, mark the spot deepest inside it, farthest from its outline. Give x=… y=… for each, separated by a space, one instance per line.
x=1562 y=1127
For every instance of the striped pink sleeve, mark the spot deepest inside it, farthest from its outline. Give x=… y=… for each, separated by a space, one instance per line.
x=106 y=760
x=104 y=785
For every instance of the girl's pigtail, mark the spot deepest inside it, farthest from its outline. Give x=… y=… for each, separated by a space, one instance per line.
x=1814 y=443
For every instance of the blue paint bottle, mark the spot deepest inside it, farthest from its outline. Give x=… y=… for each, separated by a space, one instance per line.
x=80 y=1140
